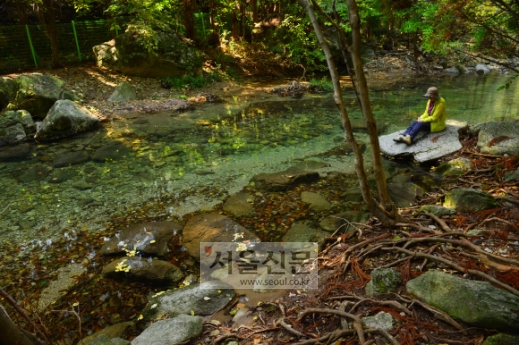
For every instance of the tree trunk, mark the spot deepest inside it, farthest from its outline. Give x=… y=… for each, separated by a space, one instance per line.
x=215 y=37
x=367 y=112
x=254 y=8
x=189 y=19
x=235 y=24
x=379 y=211
x=52 y=31
x=21 y=9
x=10 y=334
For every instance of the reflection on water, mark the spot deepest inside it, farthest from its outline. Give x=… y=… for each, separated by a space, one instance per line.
x=132 y=162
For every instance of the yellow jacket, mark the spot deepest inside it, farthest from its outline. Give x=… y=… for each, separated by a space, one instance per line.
x=438 y=116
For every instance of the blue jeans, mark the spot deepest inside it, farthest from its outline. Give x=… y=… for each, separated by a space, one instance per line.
x=415 y=127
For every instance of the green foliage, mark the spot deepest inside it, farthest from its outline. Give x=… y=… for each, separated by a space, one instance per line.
x=323 y=84
x=187 y=82
x=297 y=42
x=147 y=17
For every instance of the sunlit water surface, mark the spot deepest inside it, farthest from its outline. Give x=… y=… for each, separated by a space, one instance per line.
x=193 y=164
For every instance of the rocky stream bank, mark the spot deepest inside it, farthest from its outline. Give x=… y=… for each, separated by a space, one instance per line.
x=136 y=279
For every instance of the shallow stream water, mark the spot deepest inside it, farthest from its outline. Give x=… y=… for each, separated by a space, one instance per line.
x=197 y=157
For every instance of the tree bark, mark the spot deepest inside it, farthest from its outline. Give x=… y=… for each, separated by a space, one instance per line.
x=52 y=31
x=10 y=334
x=189 y=19
x=215 y=37
x=254 y=8
x=367 y=112
x=379 y=211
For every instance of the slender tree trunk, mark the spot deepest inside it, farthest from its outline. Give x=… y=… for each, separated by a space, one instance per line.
x=243 y=14
x=52 y=31
x=235 y=24
x=10 y=334
x=21 y=8
x=379 y=211
x=254 y=8
x=378 y=170
x=215 y=37
x=189 y=19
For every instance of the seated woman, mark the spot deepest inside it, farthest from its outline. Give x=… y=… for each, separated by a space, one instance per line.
x=432 y=120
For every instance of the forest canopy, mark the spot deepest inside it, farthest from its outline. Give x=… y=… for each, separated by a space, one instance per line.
x=487 y=27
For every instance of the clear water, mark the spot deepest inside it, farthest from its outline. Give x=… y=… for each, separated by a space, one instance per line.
x=194 y=164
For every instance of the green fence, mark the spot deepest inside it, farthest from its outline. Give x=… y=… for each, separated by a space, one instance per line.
x=25 y=46
x=28 y=46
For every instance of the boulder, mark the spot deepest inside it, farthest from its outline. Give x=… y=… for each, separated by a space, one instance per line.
x=177 y=330
x=452 y=71
x=316 y=201
x=477 y=303
x=498 y=138
x=430 y=146
x=149 y=238
x=113 y=331
x=469 y=200
x=145 y=270
x=70 y=158
x=512 y=176
x=283 y=180
x=482 y=69
x=383 y=281
x=213 y=227
x=239 y=204
x=37 y=93
x=200 y=299
x=124 y=92
x=7 y=91
x=454 y=167
x=15 y=126
x=502 y=339
x=300 y=232
x=13 y=153
x=173 y=56
x=65 y=118
x=12 y=134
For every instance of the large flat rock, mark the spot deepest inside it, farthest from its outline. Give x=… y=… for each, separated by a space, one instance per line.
x=427 y=147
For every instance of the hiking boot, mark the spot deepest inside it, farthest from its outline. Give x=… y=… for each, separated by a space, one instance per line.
x=407 y=139
x=399 y=138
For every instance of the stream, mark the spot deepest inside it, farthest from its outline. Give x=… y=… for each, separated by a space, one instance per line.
x=193 y=159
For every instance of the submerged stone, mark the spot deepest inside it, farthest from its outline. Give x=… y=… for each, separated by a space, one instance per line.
x=239 y=205
x=145 y=270
x=283 y=180
x=200 y=299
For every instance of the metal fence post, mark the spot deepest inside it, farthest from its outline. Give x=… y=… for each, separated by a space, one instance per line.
x=34 y=56
x=77 y=43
